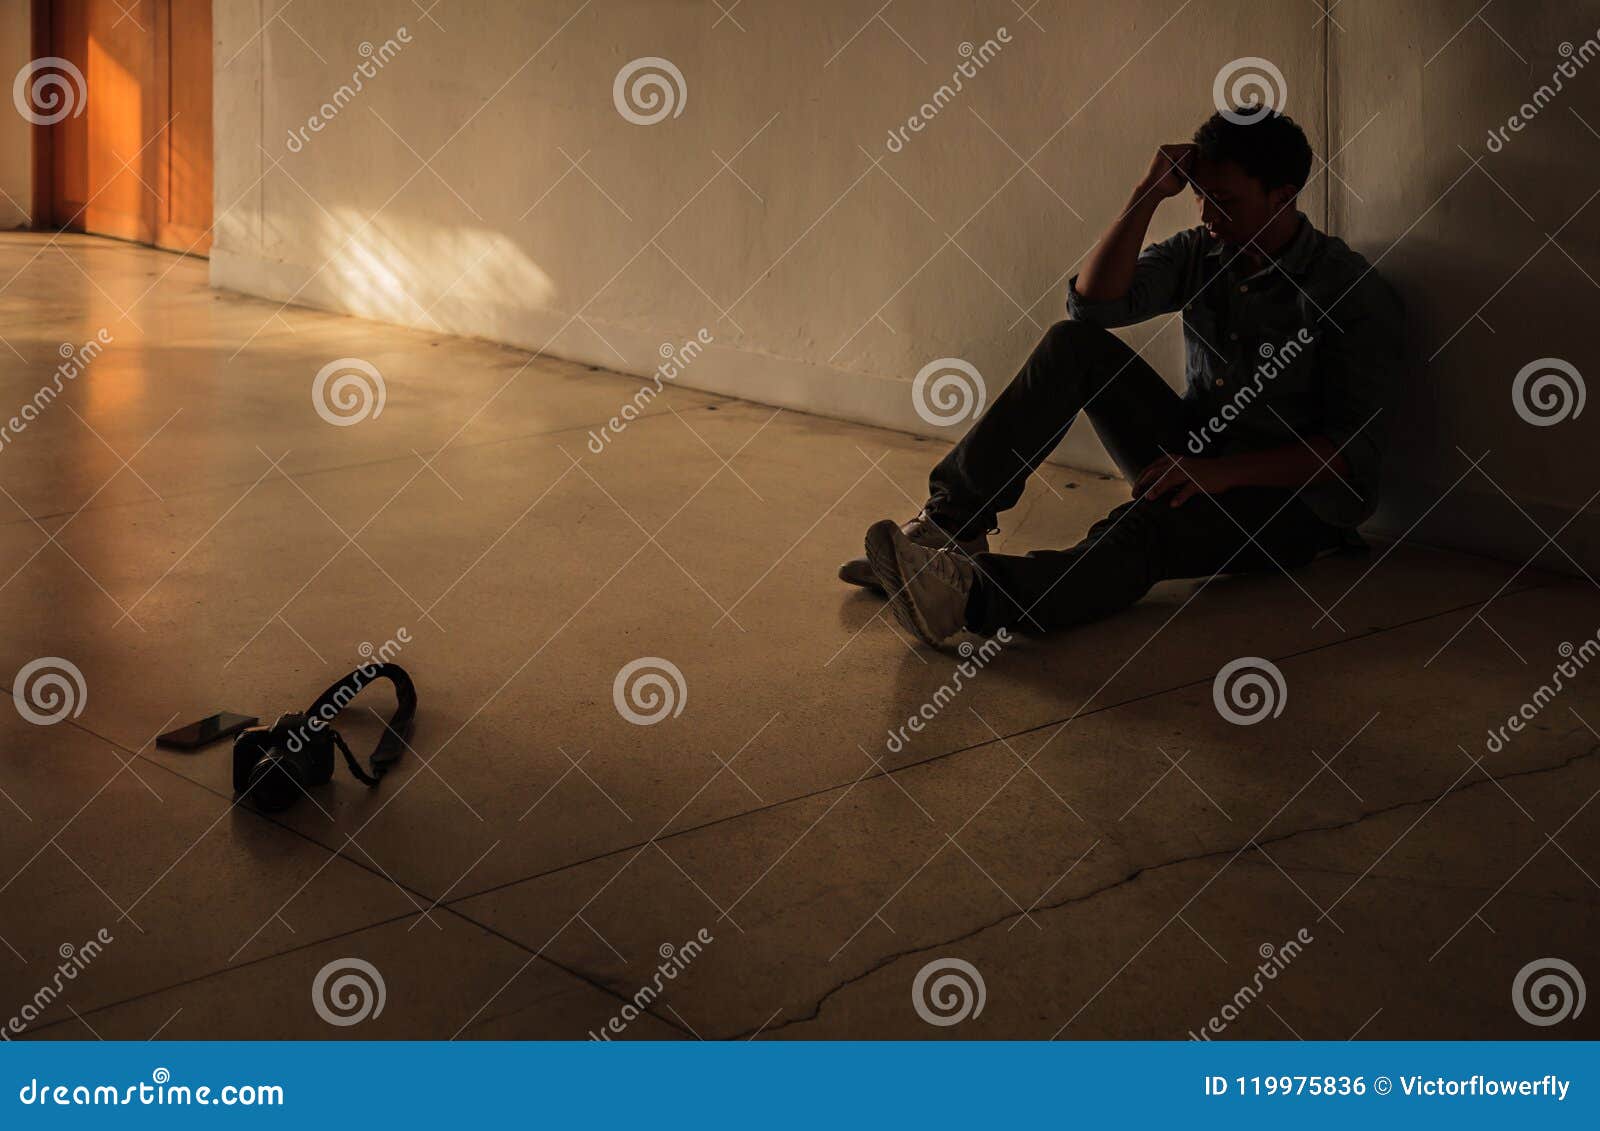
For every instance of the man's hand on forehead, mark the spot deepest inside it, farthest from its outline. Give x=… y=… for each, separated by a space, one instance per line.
x=1170 y=169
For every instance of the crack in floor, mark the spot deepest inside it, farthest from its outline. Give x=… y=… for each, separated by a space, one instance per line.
x=1432 y=885
x=998 y=742
x=1133 y=876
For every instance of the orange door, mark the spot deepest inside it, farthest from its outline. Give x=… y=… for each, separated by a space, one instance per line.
x=135 y=163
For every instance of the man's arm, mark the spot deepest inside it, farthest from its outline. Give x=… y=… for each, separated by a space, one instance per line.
x=1108 y=274
x=1360 y=362
x=1290 y=465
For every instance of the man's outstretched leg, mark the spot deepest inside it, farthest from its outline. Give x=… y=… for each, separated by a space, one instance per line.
x=1075 y=367
x=938 y=594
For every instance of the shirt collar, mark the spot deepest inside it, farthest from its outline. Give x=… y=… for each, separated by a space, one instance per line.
x=1295 y=258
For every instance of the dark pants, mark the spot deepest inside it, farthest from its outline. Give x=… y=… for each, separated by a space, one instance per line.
x=1079 y=367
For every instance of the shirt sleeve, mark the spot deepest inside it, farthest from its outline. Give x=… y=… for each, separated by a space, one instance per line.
x=1363 y=355
x=1158 y=285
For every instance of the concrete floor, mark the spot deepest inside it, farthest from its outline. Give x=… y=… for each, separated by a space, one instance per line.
x=521 y=871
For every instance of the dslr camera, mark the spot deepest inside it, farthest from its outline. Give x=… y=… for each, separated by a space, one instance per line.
x=273 y=765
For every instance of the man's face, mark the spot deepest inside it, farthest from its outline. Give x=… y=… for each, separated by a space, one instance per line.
x=1234 y=206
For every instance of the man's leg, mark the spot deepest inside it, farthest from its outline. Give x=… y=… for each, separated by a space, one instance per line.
x=1138 y=544
x=1075 y=367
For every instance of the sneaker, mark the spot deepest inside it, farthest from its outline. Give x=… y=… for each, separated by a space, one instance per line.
x=924 y=532
x=928 y=588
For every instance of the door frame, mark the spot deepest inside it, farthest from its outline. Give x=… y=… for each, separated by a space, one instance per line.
x=42 y=212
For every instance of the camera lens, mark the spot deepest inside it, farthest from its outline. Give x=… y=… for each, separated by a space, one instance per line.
x=273 y=786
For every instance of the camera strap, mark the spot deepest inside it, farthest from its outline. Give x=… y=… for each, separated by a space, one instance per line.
x=392 y=743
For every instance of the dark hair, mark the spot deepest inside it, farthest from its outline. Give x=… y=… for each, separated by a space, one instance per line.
x=1264 y=143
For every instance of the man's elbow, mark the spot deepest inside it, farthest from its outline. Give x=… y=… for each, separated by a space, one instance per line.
x=1105 y=312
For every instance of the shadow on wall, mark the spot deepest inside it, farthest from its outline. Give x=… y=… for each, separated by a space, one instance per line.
x=1480 y=457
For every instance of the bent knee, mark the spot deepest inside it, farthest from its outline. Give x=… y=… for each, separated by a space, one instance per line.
x=1090 y=352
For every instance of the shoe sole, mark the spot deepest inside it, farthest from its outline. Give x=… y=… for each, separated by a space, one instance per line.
x=884 y=556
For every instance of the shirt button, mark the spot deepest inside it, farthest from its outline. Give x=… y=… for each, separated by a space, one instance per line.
x=1243 y=289
x=1233 y=336
x=1219 y=382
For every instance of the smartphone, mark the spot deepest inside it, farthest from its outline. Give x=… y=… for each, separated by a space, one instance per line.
x=213 y=728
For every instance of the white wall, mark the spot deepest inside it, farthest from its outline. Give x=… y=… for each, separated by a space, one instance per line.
x=827 y=282
x=16 y=135
x=830 y=270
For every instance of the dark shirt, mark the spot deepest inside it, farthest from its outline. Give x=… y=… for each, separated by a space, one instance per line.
x=1307 y=346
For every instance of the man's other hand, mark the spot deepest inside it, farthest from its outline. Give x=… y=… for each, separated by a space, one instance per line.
x=1184 y=477
x=1169 y=170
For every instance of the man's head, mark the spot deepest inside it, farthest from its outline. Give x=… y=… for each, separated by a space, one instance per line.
x=1249 y=166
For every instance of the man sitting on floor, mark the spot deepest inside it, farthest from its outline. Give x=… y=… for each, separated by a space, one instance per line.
x=1269 y=457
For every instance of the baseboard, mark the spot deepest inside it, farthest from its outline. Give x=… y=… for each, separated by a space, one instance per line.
x=1471 y=519
x=821 y=390
x=1478 y=519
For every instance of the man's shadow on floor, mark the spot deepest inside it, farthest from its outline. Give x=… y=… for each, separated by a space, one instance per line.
x=1178 y=635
